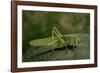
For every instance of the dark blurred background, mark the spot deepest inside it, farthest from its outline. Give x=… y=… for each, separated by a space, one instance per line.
x=39 y=24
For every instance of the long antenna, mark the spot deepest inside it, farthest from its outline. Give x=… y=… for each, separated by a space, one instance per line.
x=53 y=39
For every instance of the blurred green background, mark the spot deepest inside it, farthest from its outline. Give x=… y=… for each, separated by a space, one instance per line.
x=39 y=24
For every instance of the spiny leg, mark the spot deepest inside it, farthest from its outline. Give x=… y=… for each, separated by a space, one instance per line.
x=53 y=39
x=60 y=38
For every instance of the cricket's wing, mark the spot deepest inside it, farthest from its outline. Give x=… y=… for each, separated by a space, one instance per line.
x=46 y=42
x=43 y=45
x=43 y=42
